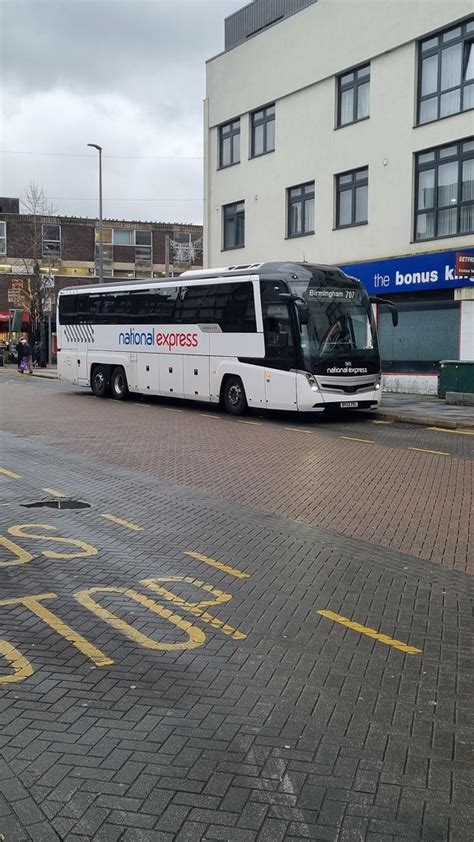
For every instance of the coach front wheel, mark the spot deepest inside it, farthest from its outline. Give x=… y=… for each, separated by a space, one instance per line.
x=99 y=381
x=118 y=384
x=234 y=397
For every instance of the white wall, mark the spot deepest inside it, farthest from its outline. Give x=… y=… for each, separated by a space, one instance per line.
x=294 y=63
x=466 y=338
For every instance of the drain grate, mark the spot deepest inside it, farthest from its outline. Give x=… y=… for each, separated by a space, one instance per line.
x=57 y=504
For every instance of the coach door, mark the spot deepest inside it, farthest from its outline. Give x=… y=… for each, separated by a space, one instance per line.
x=280 y=356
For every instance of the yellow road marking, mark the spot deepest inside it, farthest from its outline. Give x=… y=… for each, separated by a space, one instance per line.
x=11 y=474
x=21 y=530
x=195 y=635
x=243 y=421
x=208 y=415
x=352 y=438
x=383 y=638
x=121 y=522
x=170 y=409
x=21 y=666
x=456 y=432
x=425 y=450
x=33 y=604
x=381 y=422
x=21 y=555
x=297 y=430
x=196 y=608
x=53 y=492
x=212 y=562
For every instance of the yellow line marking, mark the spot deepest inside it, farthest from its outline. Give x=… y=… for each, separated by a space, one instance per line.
x=21 y=556
x=208 y=415
x=220 y=566
x=33 y=604
x=53 y=492
x=456 y=432
x=170 y=409
x=21 y=666
x=196 y=607
x=425 y=450
x=195 y=635
x=11 y=474
x=389 y=641
x=352 y=438
x=21 y=530
x=243 y=421
x=381 y=422
x=297 y=430
x=121 y=522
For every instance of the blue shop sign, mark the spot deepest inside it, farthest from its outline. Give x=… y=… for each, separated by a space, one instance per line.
x=417 y=273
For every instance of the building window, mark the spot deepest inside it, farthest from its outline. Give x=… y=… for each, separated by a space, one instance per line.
x=229 y=144
x=123 y=237
x=301 y=209
x=51 y=240
x=143 y=246
x=263 y=131
x=106 y=242
x=446 y=73
x=352 y=192
x=353 y=96
x=234 y=225
x=445 y=191
x=3 y=237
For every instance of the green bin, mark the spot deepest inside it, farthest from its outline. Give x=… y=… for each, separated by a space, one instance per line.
x=455 y=376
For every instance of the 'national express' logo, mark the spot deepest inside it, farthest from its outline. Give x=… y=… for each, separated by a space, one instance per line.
x=166 y=340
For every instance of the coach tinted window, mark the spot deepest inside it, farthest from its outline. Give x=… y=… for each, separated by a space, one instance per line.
x=67 y=309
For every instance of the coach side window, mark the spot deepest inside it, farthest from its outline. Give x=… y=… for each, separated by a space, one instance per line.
x=67 y=309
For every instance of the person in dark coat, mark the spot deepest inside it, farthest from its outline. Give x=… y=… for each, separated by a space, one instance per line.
x=19 y=353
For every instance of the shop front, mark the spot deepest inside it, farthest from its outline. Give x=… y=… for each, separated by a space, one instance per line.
x=434 y=294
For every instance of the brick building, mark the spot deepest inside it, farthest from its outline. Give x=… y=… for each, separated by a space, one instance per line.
x=67 y=251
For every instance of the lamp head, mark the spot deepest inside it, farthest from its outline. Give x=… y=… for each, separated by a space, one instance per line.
x=95 y=146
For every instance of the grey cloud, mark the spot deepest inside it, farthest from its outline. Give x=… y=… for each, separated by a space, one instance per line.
x=128 y=74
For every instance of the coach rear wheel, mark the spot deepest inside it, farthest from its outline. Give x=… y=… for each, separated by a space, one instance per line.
x=118 y=384
x=234 y=397
x=99 y=381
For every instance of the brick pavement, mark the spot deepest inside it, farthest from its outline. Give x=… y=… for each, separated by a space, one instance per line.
x=416 y=502
x=301 y=730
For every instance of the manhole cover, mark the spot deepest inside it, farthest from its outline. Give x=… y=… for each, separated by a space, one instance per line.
x=57 y=504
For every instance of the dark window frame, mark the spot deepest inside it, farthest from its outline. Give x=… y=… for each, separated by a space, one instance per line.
x=50 y=246
x=3 y=237
x=353 y=85
x=300 y=199
x=466 y=38
x=264 y=121
x=459 y=157
x=227 y=131
x=233 y=212
x=143 y=251
x=342 y=188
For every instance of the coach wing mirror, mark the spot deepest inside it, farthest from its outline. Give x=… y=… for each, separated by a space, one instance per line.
x=302 y=309
x=376 y=299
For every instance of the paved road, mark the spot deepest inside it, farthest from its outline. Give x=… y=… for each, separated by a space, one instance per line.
x=257 y=630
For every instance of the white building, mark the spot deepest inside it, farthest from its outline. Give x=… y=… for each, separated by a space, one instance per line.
x=342 y=132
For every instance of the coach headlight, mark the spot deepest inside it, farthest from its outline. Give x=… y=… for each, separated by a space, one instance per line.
x=311 y=381
x=378 y=382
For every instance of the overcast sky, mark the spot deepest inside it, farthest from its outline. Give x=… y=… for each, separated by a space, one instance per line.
x=126 y=74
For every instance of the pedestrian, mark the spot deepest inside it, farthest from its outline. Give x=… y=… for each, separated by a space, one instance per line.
x=25 y=365
x=19 y=353
x=36 y=354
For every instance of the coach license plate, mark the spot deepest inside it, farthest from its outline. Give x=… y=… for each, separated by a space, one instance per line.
x=349 y=404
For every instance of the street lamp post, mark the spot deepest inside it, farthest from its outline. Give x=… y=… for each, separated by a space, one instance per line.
x=101 y=227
